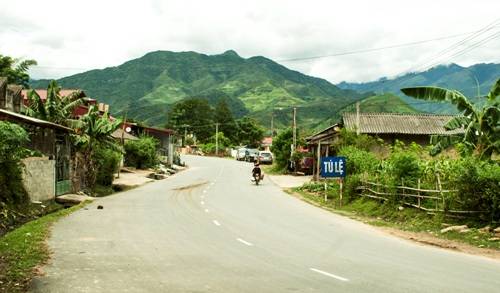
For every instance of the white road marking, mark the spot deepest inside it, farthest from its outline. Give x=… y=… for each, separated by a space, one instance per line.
x=329 y=275
x=206 y=210
x=216 y=223
x=205 y=191
x=212 y=183
x=244 y=242
x=202 y=202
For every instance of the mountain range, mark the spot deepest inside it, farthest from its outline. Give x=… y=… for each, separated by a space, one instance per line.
x=147 y=87
x=473 y=81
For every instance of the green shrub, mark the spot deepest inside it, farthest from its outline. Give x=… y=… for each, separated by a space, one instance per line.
x=351 y=182
x=478 y=186
x=361 y=141
x=358 y=161
x=141 y=153
x=281 y=148
x=223 y=143
x=12 y=139
x=405 y=165
x=108 y=162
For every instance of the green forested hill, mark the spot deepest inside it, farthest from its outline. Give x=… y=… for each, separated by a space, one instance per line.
x=149 y=85
x=385 y=103
x=451 y=76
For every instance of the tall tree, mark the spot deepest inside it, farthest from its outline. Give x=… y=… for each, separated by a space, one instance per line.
x=480 y=122
x=250 y=133
x=195 y=115
x=225 y=118
x=94 y=131
x=16 y=70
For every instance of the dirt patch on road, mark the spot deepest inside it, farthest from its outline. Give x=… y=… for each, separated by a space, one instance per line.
x=191 y=186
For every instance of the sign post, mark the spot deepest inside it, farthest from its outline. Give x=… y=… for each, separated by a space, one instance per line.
x=334 y=167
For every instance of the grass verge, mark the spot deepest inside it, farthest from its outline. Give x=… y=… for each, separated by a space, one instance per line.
x=272 y=169
x=406 y=219
x=24 y=249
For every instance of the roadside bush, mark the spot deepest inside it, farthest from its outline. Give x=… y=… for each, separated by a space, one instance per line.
x=361 y=141
x=281 y=148
x=478 y=185
x=12 y=139
x=358 y=161
x=141 y=153
x=405 y=165
x=223 y=143
x=108 y=162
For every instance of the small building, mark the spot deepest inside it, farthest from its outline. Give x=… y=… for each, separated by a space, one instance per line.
x=48 y=175
x=403 y=127
x=267 y=143
x=164 y=136
x=390 y=127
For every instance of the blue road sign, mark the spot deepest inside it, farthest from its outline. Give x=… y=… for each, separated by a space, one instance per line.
x=333 y=167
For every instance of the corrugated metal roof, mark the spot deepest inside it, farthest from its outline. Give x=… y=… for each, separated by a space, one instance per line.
x=126 y=136
x=31 y=120
x=379 y=123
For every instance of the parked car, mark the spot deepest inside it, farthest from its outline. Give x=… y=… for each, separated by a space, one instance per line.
x=240 y=154
x=265 y=157
x=251 y=155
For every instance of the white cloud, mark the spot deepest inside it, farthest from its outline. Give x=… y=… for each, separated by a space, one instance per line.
x=66 y=37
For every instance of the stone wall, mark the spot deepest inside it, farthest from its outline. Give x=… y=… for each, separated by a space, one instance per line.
x=39 y=178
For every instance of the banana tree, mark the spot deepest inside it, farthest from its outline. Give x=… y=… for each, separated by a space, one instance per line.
x=94 y=131
x=481 y=124
x=56 y=108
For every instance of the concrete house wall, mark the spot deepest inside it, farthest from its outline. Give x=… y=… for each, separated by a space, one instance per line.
x=39 y=178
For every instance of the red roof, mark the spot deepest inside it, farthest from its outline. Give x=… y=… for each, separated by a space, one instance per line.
x=63 y=92
x=267 y=140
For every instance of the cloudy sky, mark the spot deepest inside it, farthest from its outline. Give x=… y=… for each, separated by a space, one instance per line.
x=68 y=37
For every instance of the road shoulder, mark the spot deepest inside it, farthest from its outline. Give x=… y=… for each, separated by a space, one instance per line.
x=423 y=238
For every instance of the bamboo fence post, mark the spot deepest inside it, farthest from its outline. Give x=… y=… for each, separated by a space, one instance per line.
x=418 y=192
x=440 y=188
x=402 y=188
x=326 y=194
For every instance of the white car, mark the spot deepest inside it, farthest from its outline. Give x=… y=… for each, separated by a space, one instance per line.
x=240 y=154
x=265 y=157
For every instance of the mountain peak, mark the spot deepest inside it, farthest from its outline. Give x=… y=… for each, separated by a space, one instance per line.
x=231 y=53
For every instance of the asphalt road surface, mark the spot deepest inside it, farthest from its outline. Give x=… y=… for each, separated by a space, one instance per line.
x=209 y=229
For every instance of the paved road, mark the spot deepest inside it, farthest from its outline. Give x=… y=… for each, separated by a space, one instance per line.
x=208 y=229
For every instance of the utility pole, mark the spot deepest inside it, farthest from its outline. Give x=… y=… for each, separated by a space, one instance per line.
x=357 y=119
x=123 y=139
x=217 y=139
x=294 y=127
x=272 y=123
x=185 y=134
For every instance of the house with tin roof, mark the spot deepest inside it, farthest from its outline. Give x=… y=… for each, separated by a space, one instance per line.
x=389 y=127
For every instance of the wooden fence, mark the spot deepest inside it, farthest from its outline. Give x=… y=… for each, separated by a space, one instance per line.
x=429 y=200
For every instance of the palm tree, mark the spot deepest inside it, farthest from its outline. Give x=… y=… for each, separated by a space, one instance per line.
x=56 y=108
x=94 y=131
x=480 y=123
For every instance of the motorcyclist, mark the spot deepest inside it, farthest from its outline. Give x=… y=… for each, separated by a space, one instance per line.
x=256 y=171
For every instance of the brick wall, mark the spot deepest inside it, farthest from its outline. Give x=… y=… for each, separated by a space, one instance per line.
x=39 y=178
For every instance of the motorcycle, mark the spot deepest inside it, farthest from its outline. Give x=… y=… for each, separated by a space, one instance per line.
x=257 y=178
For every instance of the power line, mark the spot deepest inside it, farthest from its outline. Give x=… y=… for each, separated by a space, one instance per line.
x=409 y=73
x=375 y=49
x=479 y=32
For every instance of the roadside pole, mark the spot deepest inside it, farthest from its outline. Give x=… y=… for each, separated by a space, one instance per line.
x=334 y=167
x=216 y=139
x=123 y=140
